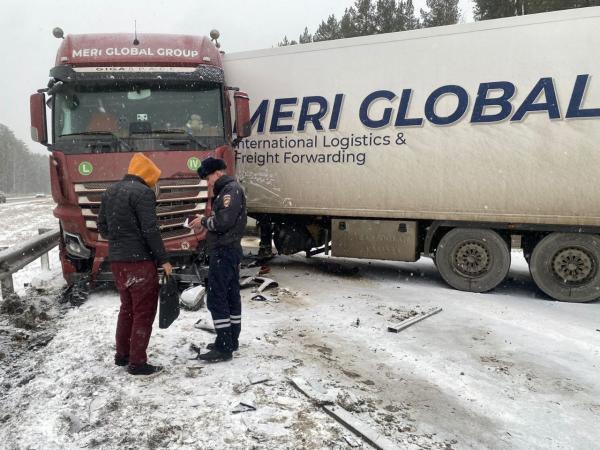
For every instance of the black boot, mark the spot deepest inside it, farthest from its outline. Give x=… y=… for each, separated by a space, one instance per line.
x=236 y=329
x=215 y=355
x=144 y=369
x=212 y=346
x=221 y=349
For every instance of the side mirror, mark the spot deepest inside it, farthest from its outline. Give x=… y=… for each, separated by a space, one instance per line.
x=37 y=107
x=243 y=127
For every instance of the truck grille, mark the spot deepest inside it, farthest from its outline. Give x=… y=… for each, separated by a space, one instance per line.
x=177 y=200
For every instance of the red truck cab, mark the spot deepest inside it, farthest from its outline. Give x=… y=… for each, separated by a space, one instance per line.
x=111 y=95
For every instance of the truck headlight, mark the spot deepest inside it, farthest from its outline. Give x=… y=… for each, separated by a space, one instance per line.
x=75 y=247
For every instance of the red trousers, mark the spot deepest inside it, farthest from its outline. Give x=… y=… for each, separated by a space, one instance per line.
x=137 y=283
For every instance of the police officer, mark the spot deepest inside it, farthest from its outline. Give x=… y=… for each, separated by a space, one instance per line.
x=226 y=226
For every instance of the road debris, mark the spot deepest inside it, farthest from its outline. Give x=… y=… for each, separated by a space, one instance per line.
x=264 y=298
x=351 y=441
x=359 y=428
x=258 y=379
x=243 y=407
x=353 y=424
x=201 y=325
x=193 y=371
x=259 y=437
x=196 y=350
x=319 y=398
x=397 y=327
x=252 y=381
x=192 y=298
x=262 y=283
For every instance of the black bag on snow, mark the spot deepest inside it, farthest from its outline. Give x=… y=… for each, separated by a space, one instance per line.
x=168 y=309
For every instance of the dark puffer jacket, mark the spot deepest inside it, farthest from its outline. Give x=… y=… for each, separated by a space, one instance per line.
x=227 y=223
x=128 y=220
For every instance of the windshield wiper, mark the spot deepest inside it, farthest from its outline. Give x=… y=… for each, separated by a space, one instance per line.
x=99 y=133
x=171 y=131
x=191 y=137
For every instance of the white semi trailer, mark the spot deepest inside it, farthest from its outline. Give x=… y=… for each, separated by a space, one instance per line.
x=441 y=142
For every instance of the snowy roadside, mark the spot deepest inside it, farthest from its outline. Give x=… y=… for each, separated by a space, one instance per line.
x=509 y=369
x=21 y=221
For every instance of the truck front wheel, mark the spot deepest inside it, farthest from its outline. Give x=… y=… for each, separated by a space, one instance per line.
x=565 y=266
x=473 y=260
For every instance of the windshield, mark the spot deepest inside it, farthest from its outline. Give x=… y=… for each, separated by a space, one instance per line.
x=130 y=114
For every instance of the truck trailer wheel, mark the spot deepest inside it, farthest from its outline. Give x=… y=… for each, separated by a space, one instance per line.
x=473 y=260
x=566 y=266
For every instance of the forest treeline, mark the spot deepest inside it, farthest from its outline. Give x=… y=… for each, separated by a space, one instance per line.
x=366 y=17
x=21 y=171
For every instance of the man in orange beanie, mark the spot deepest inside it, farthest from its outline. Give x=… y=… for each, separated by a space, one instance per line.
x=128 y=220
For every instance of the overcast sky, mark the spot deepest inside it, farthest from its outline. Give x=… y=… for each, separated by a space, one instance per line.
x=28 y=48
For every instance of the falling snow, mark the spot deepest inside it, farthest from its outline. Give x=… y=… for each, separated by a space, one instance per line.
x=508 y=369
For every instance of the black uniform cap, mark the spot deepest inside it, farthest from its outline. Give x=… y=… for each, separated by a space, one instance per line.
x=210 y=165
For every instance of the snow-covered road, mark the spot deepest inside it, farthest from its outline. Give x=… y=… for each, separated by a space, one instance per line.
x=503 y=370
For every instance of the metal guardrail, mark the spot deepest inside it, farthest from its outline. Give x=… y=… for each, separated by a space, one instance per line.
x=18 y=256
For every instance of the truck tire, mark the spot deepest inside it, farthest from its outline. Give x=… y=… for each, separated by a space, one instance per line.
x=565 y=266
x=473 y=260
